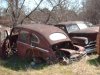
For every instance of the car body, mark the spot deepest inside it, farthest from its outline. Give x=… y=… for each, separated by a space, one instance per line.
x=4 y=32
x=98 y=42
x=81 y=33
x=42 y=42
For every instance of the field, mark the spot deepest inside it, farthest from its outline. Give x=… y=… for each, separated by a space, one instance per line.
x=90 y=65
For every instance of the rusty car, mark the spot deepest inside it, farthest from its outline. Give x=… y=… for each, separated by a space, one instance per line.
x=98 y=42
x=4 y=32
x=81 y=33
x=39 y=42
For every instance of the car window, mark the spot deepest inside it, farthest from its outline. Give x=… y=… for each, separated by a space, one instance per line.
x=24 y=36
x=72 y=28
x=34 y=39
x=55 y=36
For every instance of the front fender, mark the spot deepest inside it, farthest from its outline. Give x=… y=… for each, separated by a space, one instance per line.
x=80 y=48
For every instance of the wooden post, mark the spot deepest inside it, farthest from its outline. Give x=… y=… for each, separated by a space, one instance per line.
x=98 y=42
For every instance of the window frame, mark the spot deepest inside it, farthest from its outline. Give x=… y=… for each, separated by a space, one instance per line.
x=27 y=39
x=35 y=37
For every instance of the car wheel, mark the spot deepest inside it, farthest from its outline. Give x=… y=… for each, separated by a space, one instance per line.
x=30 y=58
x=65 y=61
x=14 y=49
x=49 y=62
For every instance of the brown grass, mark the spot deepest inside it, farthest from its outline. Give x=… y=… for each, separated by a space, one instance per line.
x=87 y=66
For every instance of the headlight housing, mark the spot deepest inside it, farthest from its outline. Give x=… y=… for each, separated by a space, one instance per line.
x=86 y=41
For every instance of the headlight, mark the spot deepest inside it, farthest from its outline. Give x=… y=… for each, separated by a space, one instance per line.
x=86 y=41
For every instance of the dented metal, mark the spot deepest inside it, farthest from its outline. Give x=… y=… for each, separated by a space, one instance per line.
x=40 y=46
x=84 y=36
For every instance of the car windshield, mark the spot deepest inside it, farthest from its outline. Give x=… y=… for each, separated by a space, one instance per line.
x=82 y=25
x=57 y=36
x=72 y=28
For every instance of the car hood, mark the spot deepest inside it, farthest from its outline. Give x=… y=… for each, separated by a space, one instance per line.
x=88 y=30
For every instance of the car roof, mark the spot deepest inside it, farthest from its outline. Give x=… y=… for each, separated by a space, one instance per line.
x=44 y=30
x=70 y=22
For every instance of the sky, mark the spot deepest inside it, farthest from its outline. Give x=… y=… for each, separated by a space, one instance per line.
x=31 y=4
x=3 y=3
x=45 y=4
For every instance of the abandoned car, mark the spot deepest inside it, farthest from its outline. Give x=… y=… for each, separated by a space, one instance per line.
x=42 y=42
x=4 y=32
x=81 y=33
x=98 y=43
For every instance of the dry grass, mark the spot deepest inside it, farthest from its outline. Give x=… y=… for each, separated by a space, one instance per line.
x=84 y=67
x=87 y=66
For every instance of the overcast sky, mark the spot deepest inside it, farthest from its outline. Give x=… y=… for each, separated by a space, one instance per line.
x=31 y=4
x=3 y=3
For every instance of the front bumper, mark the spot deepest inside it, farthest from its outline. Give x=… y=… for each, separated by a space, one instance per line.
x=91 y=47
x=90 y=50
x=78 y=56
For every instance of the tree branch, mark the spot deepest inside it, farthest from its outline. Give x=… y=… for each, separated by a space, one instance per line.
x=20 y=9
x=31 y=12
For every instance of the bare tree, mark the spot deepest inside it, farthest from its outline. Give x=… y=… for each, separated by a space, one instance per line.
x=91 y=11
x=59 y=12
x=15 y=9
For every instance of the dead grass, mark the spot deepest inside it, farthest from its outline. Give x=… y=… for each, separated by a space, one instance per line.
x=84 y=67
x=87 y=66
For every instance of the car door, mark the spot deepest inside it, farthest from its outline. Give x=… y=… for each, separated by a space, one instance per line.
x=38 y=44
x=34 y=44
x=23 y=43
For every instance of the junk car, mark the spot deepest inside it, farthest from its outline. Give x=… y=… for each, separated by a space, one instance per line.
x=81 y=33
x=98 y=42
x=4 y=32
x=42 y=42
